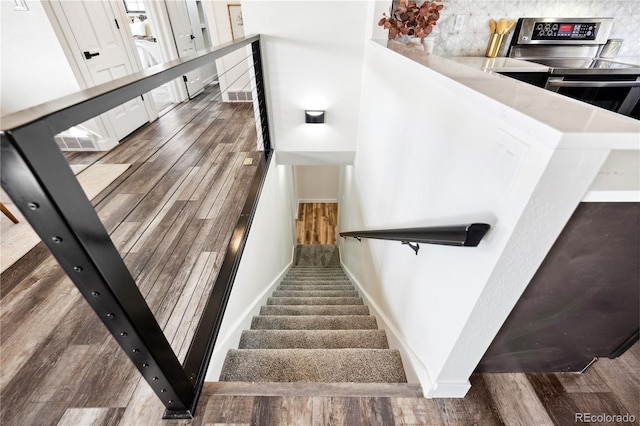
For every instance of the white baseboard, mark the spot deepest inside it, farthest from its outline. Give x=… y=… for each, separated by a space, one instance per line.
x=232 y=339
x=415 y=370
x=317 y=200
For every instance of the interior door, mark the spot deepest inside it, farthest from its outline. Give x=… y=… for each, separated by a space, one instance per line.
x=185 y=42
x=97 y=35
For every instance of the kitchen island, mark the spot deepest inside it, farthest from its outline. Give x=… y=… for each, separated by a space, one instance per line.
x=482 y=147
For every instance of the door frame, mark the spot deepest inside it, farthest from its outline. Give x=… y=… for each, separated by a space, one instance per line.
x=79 y=67
x=157 y=11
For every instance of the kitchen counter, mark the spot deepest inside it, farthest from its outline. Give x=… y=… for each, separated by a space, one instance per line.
x=499 y=64
x=560 y=121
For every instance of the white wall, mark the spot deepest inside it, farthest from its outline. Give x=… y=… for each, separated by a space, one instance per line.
x=313 y=53
x=316 y=183
x=435 y=153
x=267 y=256
x=231 y=77
x=34 y=67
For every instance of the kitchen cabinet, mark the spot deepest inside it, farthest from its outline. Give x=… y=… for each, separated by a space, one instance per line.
x=583 y=301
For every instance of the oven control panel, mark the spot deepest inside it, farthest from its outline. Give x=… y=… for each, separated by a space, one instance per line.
x=565 y=31
x=562 y=31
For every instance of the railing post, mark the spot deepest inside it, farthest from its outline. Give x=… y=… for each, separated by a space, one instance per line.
x=262 y=101
x=39 y=180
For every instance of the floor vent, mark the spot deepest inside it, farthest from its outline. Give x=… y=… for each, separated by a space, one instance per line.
x=240 y=96
x=78 y=138
x=77 y=143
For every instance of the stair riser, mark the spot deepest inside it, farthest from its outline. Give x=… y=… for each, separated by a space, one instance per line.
x=313 y=322
x=314 y=301
x=311 y=293
x=315 y=282
x=314 y=287
x=314 y=310
x=313 y=339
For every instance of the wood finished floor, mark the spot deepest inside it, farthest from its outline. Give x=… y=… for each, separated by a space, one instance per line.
x=170 y=215
x=167 y=214
x=316 y=223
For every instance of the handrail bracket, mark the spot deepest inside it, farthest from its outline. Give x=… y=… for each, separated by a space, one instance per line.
x=415 y=247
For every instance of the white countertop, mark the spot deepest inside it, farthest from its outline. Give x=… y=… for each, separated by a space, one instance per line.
x=618 y=179
x=561 y=123
x=499 y=64
x=519 y=65
x=583 y=125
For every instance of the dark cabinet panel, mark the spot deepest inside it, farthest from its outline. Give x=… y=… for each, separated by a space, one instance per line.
x=584 y=300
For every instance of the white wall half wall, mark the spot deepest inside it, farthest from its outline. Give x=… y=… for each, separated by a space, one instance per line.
x=267 y=255
x=436 y=153
x=312 y=56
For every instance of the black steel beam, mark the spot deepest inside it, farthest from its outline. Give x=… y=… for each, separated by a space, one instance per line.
x=260 y=89
x=78 y=107
x=468 y=235
x=39 y=180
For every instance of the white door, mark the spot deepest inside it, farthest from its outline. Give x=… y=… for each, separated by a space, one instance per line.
x=185 y=42
x=91 y=27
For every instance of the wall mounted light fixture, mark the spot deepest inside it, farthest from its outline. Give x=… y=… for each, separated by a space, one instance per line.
x=313 y=116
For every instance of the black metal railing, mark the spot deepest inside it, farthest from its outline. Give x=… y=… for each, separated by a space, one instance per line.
x=468 y=235
x=38 y=179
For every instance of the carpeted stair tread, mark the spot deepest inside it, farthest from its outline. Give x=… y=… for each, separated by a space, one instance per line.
x=314 y=301
x=314 y=293
x=315 y=287
x=315 y=330
x=316 y=281
x=313 y=365
x=313 y=322
x=314 y=310
x=313 y=339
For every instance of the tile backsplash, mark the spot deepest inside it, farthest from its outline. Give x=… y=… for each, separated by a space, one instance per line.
x=472 y=39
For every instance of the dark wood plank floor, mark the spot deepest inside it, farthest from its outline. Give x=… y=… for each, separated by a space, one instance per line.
x=169 y=216
x=609 y=387
x=316 y=223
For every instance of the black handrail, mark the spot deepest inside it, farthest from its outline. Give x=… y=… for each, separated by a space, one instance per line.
x=468 y=235
x=37 y=177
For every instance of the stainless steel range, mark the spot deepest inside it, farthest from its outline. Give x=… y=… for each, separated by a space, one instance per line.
x=571 y=48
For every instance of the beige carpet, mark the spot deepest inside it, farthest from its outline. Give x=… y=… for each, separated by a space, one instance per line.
x=17 y=239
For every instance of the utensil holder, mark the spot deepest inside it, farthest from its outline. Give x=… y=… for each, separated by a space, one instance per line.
x=494 y=45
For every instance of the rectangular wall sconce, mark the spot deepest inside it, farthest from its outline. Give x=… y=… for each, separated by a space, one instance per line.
x=313 y=116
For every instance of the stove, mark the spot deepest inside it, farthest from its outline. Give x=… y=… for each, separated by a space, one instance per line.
x=571 y=48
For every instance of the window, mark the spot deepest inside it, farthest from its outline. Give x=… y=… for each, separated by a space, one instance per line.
x=134 y=6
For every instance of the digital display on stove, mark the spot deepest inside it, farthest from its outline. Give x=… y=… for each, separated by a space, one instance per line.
x=564 y=31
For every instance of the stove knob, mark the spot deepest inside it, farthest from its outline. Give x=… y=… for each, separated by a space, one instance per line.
x=589 y=33
x=555 y=27
x=539 y=27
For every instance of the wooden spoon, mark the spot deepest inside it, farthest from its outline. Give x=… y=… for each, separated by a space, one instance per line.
x=510 y=25
x=492 y=26
x=502 y=26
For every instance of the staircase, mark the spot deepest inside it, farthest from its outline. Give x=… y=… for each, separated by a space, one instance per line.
x=314 y=328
